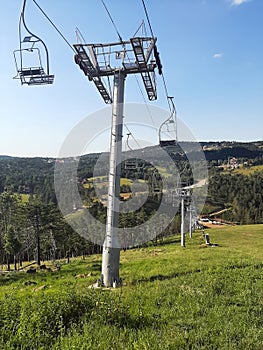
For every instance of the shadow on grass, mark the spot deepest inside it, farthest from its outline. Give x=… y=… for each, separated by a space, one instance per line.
x=11 y=277
x=161 y=277
x=173 y=275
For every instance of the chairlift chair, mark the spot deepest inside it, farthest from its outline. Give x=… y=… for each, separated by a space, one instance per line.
x=156 y=188
x=31 y=75
x=131 y=164
x=169 y=129
x=29 y=51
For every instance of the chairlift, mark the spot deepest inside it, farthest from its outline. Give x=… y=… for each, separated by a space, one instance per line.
x=30 y=51
x=131 y=163
x=169 y=129
x=155 y=184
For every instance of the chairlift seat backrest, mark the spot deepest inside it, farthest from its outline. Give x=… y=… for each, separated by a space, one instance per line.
x=164 y=143
x=131 y=164
x=32 y=71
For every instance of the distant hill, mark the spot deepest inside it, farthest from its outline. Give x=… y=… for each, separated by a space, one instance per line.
x=5 y=157
x=223 y=150
x=235 y=151
x=213 y=150
x=35 y=175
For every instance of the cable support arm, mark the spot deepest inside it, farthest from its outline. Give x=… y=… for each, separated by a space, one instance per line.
x=22 y=19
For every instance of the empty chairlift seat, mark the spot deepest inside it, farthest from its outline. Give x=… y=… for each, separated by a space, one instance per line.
x=32 y=74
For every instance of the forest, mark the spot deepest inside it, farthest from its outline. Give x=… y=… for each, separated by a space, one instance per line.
x=32 y=227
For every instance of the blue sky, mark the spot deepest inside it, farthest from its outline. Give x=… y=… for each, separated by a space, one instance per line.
x=211 y=51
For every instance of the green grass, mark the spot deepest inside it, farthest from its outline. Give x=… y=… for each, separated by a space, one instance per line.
x=163 y=172
x=103 y=181
x=23 y=196
x=196 y=297
x=248 y=171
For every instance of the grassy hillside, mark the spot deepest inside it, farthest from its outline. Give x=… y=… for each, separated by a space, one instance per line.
x=103 y=181
x=248 y=171
x=196 y=297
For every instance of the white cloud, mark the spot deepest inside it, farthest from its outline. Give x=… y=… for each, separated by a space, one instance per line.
x=238 y=2
x=218 y=55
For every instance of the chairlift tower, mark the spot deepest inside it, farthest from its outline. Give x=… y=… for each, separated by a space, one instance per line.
x=185 y=196
x=191 y=211
x=117 y=60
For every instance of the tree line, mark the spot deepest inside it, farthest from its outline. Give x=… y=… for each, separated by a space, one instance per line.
x=35 y=231
x=242 y=194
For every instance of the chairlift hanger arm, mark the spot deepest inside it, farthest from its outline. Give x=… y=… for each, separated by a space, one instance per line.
x=127 y=141
x=173 y=112
x=22 y=19
x=172 y=140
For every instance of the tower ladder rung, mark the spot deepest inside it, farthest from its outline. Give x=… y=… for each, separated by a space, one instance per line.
x=102 y=90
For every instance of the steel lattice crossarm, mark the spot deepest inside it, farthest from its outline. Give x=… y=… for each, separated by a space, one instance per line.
x=133 y=56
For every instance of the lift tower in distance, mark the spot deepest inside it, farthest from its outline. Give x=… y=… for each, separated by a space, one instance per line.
x=117 y=60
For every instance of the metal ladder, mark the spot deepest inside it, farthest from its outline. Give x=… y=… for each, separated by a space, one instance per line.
x=143 y=68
